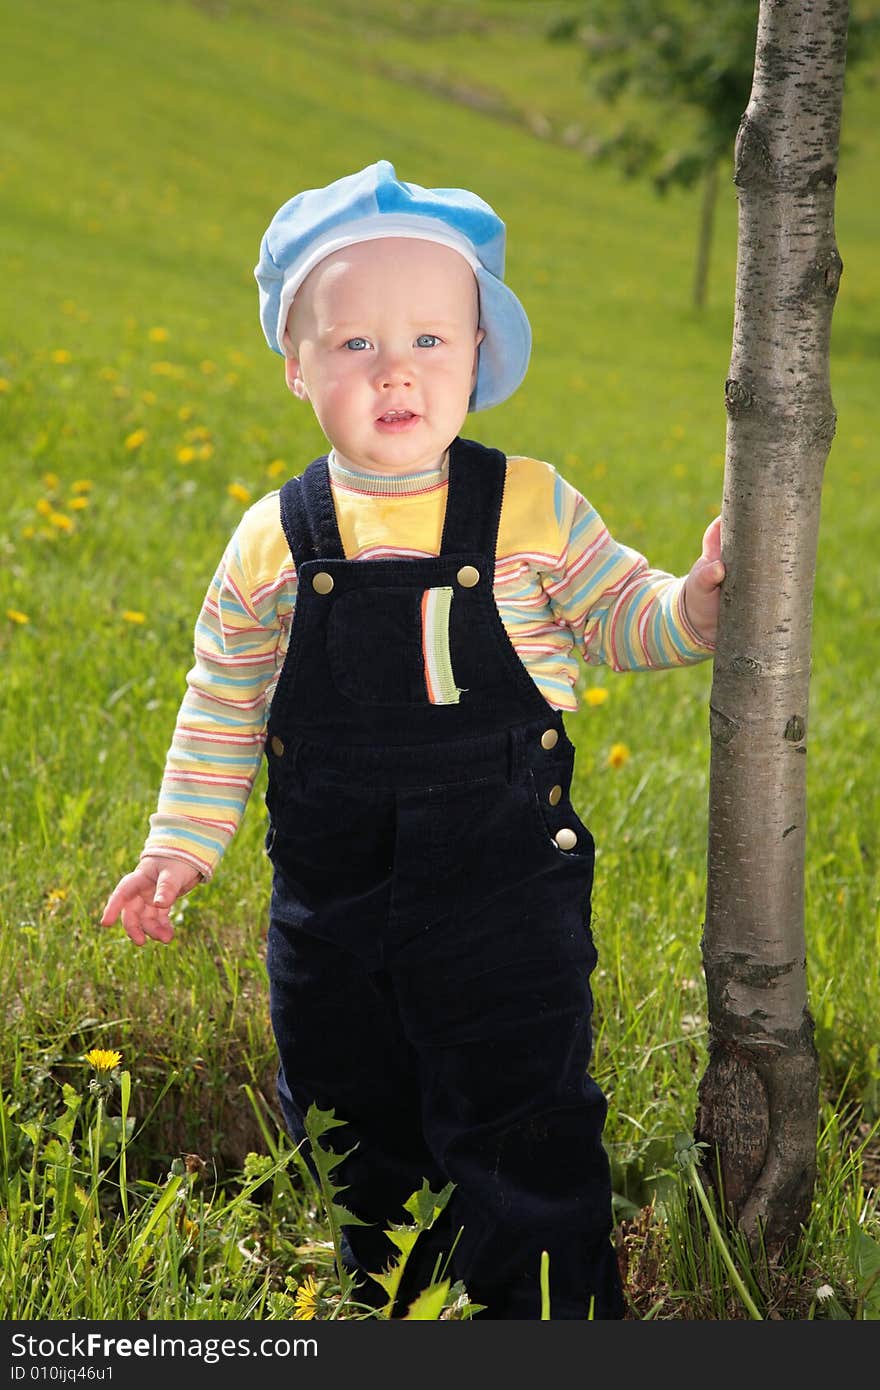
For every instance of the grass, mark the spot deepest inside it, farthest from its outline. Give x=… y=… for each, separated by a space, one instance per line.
x=135 y=380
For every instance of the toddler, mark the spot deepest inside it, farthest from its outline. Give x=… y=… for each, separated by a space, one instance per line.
x=399 y=629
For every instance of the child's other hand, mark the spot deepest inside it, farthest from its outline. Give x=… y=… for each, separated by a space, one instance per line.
x=701 y=596
x=144 y=898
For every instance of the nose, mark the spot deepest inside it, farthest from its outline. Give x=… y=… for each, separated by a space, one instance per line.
x=394 y=369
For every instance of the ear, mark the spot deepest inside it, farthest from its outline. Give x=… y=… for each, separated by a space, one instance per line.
x=481 y=333
x=292 y=371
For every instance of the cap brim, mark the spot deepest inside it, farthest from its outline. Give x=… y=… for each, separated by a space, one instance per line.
x=505 y=350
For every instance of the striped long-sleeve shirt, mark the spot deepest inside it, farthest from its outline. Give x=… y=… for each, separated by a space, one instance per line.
x=565 y=590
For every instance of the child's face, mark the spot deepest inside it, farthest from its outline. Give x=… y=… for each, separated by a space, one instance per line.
x=384 y=336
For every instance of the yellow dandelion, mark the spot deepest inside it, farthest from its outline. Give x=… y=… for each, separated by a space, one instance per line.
x=185 y=412
x=16 y=616
x=239 y=493
x=231 y=378
x=76 y=504
x=44 y=506
x=208 y=367
x=133 y=615
x=103 y=1059
x=679 y=470
x=198 y=432
x=121 y=392
x=596 y=695
x=618 y=755
x=158 y=335
x=82 y=485
x=135 y=439
x=56 y=895
x=186 y=453
x=206 y=451
x=276 y=468
x=28 y=532
x=108 y=374
x=305 y=1302
x=149 y=397
x=166 y=369
x=51 y=481
x=61 y=522
x=60 y=355
x=5 y=385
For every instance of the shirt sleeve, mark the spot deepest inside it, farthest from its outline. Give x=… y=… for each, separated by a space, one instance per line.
x=216 y=749
x=622 y=613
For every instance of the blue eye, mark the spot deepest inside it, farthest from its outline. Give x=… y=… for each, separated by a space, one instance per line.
x=357 y=344
x=427 y=340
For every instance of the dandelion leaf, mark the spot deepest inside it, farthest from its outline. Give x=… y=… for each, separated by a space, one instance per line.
x=429 y=1304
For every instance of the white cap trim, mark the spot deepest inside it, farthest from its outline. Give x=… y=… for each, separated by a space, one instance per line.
x=374 y=228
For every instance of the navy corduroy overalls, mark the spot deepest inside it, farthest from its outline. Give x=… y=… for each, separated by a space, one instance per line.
x=429 y=947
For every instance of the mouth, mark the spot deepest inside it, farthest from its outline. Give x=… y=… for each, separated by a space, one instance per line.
x=397 y=420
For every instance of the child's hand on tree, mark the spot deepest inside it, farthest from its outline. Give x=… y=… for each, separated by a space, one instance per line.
x=145 y=897
x=701 y=596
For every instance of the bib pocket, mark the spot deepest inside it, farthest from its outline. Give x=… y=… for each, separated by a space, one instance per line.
x=390 y=646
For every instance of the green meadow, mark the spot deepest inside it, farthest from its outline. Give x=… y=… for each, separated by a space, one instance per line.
x=143 y=150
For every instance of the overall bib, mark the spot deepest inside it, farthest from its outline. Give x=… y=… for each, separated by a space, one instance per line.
x=429 y=948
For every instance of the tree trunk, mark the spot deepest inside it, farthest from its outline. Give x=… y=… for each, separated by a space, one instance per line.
x=758 y=1098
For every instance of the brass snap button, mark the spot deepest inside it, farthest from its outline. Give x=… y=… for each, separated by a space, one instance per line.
x=322 y=582
x=468 y=576
x=277 y=746
x=554 y=796
x=566 y=839
x=549 y=738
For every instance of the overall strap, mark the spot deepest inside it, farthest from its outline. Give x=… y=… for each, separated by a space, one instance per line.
x=308 y=516
x=473 y=500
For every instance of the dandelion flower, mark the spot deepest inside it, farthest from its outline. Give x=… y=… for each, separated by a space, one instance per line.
x=149 y=397
x=158 y=335
x=239 y=493
x=5 y=384
x=306 y=1299
x=44 y=507
x=108 y=374
x=185 y=412
x=205 y=451
x=135 y=439
x=133 y=615
x=618 y=755
x=28 y=532
x=103 y=1059
x=82 y=485
x=76 y=504
x=276 y=468
x=596 y=695
x=60 y=355
x=51 y=481
x=16 y=616
x=208 y=367
x=60 y=521
x=186 y=453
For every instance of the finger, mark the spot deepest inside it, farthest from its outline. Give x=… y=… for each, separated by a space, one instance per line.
x=166 y=891
x=711 y=548
x=125 y=891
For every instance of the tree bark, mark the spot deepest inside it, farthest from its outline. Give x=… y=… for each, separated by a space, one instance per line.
x=758 y=1099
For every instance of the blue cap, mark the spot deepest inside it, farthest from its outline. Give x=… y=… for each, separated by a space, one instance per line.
x=375 y=203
